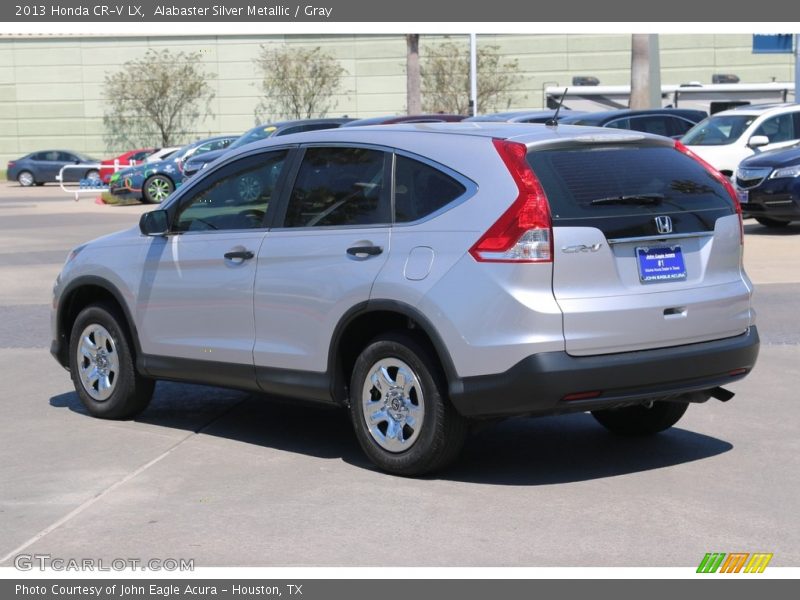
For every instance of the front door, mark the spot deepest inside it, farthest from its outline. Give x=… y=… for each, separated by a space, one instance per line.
x=197 y=301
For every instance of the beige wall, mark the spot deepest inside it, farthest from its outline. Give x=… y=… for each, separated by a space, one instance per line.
x=51 y=87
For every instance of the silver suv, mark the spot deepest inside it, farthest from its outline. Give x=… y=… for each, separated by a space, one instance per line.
x=425 y=277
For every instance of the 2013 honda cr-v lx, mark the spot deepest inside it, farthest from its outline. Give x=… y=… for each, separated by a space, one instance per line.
x=425 y=276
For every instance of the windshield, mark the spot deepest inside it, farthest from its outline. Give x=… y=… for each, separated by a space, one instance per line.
x=253 y=135
x=606 y=181
x=718 y=131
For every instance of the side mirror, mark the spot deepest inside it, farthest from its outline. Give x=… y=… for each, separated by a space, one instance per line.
x=757 y=141
x=154 y=223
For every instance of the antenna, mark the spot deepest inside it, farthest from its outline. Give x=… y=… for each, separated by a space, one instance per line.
x=553 y=121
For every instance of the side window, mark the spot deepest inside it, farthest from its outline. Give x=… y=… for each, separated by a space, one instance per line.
x=619 y=124
x=66 y=157
x=39 y=156
x=338 y=186
x=654 y=124
x=291 y=130
x=141 y=155
x=52 y=155
x=420 y=190
x=236 y=197
x=678 y=126
x=777 y=129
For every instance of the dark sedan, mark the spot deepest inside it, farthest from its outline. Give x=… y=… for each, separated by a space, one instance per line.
x=261 y=132
x=669 y=122
x=153 y=182
x=768 y=185
x=38 y=168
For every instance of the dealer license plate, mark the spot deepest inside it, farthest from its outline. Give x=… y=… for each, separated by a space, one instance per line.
x=660 y=264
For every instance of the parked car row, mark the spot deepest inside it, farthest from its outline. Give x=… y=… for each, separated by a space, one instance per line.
x=152 y=182
x=44 y=166
x=38 y=168
x=727 y=141
x=758 y=147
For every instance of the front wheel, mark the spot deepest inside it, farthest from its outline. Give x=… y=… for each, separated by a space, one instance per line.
x=157 y=188
x=102 y=366
x=402 y=418
x=641 y=420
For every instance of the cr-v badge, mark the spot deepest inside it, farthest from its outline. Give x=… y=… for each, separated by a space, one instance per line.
x=581 y=248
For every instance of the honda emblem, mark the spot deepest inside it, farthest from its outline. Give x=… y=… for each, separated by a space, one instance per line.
x=663 y=224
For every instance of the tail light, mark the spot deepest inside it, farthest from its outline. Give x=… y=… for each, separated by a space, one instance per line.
x=726 y=183
x=523 y=233
x=11 y=163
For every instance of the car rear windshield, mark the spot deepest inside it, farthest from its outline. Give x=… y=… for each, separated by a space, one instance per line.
x=609 y=181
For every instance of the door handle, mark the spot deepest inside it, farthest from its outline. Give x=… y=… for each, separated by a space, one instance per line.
x=369 y=250
x=240 y=254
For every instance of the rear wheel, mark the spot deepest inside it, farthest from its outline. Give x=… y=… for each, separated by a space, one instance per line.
x=93 y=175
x=769 y=222
x=25 y=179
x=402 y=418
x=641 y=420
x=102 y=366
x=157 y=188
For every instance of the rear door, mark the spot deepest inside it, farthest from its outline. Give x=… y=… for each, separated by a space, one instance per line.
x=323 y=257
x=647 y=247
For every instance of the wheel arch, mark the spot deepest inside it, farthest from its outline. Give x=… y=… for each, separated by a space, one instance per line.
x=79 y=294
x=369 y=319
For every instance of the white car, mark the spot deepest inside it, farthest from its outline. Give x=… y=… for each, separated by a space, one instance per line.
x=162 y=154
x=728 y=137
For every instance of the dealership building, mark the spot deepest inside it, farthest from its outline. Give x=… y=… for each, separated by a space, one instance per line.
x=51 y=87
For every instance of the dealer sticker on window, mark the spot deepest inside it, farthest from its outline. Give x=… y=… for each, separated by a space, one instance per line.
x=660 y=264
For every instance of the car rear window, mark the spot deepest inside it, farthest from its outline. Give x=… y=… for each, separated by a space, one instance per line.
x=609 y=181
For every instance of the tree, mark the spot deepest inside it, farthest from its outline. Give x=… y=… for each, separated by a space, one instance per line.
x=445 y=79
x=156 y=100
x=297 y=83
x=413 y=75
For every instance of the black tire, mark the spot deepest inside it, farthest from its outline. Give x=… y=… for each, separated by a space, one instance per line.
x=92 y=174
x=641 y=420
x=435 y=439
x=129 y=393
x=25 y=178
x=156 y=188
x=774 y=223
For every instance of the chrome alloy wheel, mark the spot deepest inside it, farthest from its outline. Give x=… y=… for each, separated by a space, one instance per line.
x=98 y=362
x=393 y=405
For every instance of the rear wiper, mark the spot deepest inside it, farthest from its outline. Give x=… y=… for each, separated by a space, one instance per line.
x=636 y=199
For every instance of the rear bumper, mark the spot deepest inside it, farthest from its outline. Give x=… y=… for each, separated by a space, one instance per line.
x=538 y=384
